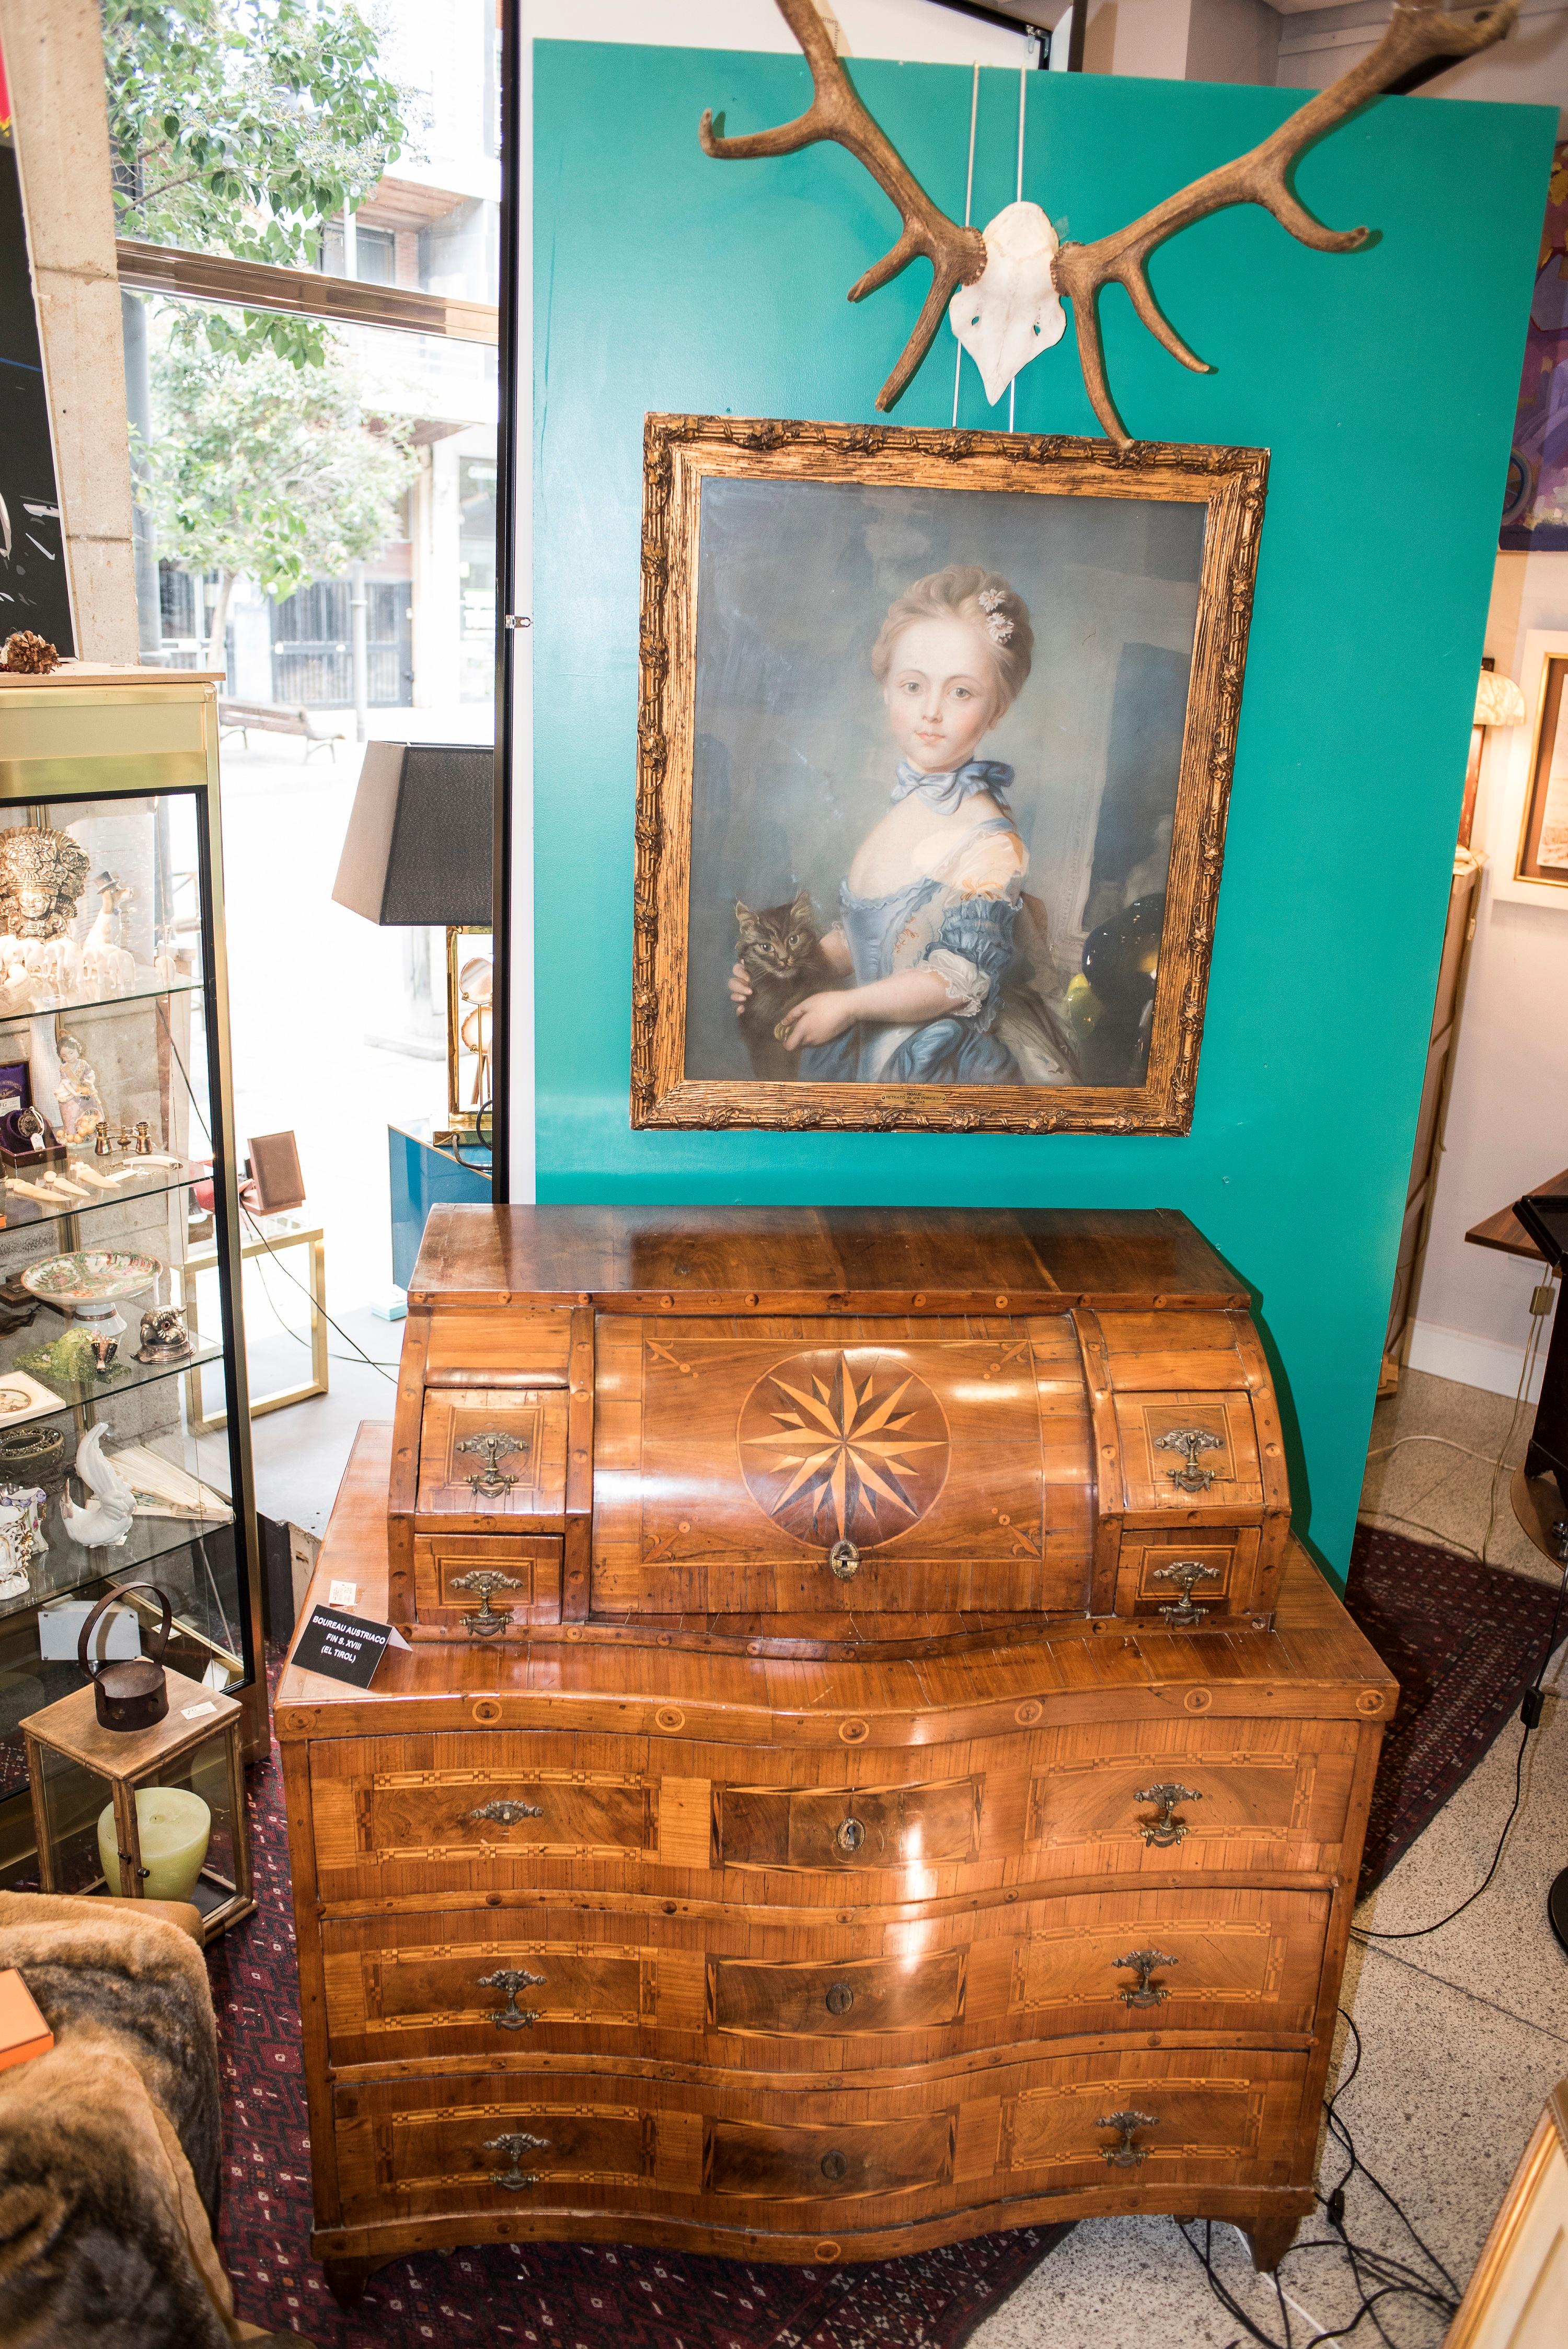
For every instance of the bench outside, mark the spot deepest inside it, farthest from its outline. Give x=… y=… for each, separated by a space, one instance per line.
x=244 y=717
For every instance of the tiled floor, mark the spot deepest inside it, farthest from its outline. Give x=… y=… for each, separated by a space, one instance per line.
x=1463 y=2032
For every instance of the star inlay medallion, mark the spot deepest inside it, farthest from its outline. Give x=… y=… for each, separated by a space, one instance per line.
x=844 y=1447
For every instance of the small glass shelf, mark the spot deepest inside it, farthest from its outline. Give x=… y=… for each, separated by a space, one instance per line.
x=21 y=1212
x=148 y=986
x=95 y=1395
x=65 y=1567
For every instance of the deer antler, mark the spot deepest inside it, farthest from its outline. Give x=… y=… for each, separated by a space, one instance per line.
x=1421 y=33
x=957 y=255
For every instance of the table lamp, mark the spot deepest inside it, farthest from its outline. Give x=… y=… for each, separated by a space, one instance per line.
x=1498 y=702
x=418 y=853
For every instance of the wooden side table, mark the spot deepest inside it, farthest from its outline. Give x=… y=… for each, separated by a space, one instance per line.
x=1539 y=1489
x=194 y=1749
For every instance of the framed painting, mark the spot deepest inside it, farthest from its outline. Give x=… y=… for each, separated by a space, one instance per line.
x=935 y=741
x=1529 y=837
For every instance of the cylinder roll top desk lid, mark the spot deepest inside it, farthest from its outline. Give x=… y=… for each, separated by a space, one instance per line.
x=815 y=1424
x=871 y=1765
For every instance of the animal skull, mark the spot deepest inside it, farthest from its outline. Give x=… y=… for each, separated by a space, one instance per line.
x=1012 y=312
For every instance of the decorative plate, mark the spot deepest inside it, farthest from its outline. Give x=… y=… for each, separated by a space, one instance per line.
x=91 y=1276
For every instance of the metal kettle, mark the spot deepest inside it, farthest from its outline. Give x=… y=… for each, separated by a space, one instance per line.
x=133 y=1692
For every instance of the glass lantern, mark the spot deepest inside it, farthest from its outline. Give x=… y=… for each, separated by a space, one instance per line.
x=154 y=1814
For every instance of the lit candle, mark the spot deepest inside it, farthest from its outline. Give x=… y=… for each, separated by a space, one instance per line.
x=173 y=1827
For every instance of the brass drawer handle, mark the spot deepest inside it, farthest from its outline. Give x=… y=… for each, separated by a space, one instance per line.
x=834 y=2167
x=492 y=1447
x=1124 y=2154
x=1185 y=1572
x=1164 y=1831
x=851 y=1836
x=1189 y=1441
x=840 y=1999
x=514 y=2146
x=488 y=1620
x=507 y=1814
x=1143 y=1962
x=512 y=2017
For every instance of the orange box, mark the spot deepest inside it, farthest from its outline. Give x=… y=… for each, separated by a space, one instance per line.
x=23 y=2030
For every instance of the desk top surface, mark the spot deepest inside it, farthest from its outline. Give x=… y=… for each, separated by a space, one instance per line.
x=699 y=1259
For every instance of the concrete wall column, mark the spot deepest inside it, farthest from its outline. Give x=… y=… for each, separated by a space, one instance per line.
x=54 y=63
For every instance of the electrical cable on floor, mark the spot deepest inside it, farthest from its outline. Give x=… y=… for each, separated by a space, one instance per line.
x=385 y=1368
x=1530 y=1713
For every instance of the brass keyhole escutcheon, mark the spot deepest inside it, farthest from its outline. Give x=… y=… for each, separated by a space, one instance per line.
x=834 y=2167
x=840 y=1998
x=844 y=1559
x=851 y=1836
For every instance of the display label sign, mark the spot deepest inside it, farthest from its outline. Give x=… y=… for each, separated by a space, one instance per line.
x=344 y=1646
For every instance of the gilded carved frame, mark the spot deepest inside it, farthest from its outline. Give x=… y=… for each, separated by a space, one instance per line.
x=679 y=454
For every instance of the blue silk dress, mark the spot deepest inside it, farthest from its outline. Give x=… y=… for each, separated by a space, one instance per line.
x=964 y=937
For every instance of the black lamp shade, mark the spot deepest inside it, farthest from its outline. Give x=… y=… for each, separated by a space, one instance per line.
x=418 y=847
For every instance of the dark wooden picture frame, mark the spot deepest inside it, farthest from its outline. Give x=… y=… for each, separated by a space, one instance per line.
x=684 y=453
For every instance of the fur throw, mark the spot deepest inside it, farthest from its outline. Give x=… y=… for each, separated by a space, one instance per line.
x=110 y=2144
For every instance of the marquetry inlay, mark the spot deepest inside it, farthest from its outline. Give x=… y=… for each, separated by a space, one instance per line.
x=844 y=1445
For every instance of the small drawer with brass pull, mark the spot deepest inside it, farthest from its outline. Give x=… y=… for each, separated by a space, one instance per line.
x=755 y=1998
x=493 y=1453
x=1176 y=2117
x=897 y=1827
x=474 y=1586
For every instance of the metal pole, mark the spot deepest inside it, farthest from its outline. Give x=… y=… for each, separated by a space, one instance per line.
x=143 y=530
x=359 y=638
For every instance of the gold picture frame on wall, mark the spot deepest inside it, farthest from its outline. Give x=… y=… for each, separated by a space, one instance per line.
x=936 y=739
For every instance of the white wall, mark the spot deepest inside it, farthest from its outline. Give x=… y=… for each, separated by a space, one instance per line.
x=1530 y=68
x=1507 y=1127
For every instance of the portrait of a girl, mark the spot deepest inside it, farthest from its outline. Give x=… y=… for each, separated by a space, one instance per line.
x=924 y=935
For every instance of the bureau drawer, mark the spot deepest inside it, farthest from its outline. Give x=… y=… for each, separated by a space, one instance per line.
x=463 y=2150
x=378 y=2003
x=847 y=1830
x=1198 y=2118
x=452 y=1811
x=486 y=1586
x=493 y=1453
x=828 y=2165
x=852 y=1996
x=1228 y=1555
x=1193 y=1795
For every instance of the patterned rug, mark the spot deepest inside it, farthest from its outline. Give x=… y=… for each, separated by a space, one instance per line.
x=1464 y=1641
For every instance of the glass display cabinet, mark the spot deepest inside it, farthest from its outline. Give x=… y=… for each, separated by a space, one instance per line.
x=124 y=1437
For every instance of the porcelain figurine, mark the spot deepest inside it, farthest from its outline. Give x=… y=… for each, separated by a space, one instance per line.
x=42 y=877
x=76 y=1092
x=105 y=964
x=106 y=1519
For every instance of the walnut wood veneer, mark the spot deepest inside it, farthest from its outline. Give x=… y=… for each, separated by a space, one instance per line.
x=782 y=1929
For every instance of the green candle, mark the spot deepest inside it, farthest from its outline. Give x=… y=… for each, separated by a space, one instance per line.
x=174 y=1828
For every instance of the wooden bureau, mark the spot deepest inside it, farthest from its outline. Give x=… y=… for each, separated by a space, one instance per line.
x=793 y=1930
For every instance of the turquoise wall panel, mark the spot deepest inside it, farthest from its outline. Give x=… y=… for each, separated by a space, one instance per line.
x=1383 y=383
